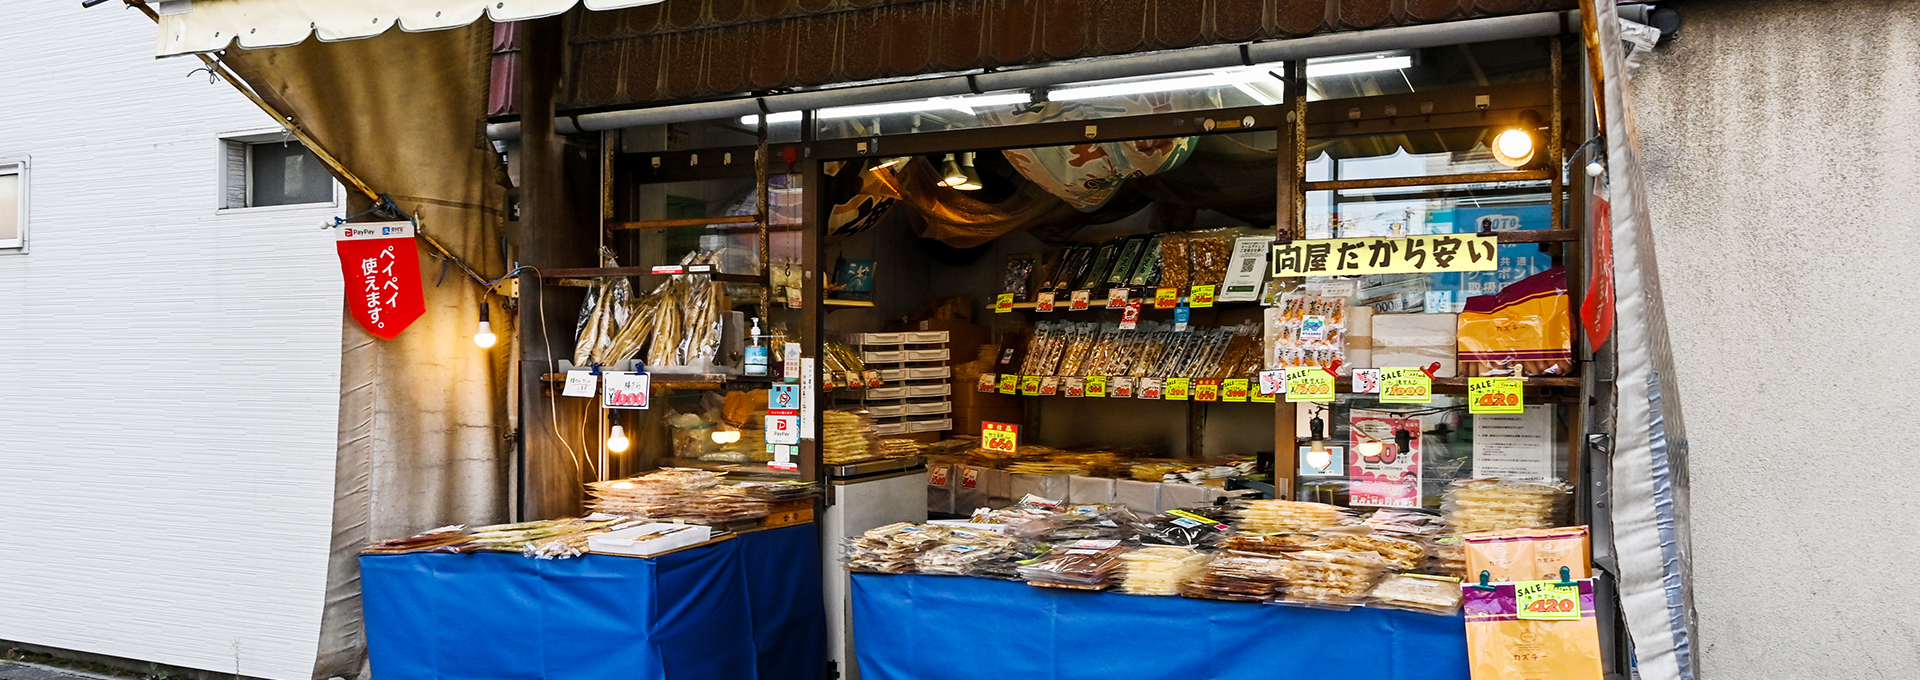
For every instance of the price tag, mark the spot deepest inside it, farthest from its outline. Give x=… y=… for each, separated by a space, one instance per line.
x=1309 y=383
x=1150 y=388
x=1116 y=298
x=1081 y=301
x=1488 y=395
x=989 y=382
x=626 y=390
x=793 y=298
x=1206 y=389
x=581 y=383
x=1256 y=396
x=1122 y=387
x=1130 y=317
x=1178 y=389
x=1273 y=382
x=1076 y=387
x=1180 y=316
x=1003 y=304
x=872 y=378
x=1045 y=303
x=1030 y=385
x=1166 y=298
x=1050 y=386
x=1201 y=296
x=1546 y=601
x=999 y=437
x=852 y=379
x=1096 y=386
x=937 y=475
x=1405 y=386
x=1234 y=389
x=1366 y=381
x=1009 y=383
x=970 y=476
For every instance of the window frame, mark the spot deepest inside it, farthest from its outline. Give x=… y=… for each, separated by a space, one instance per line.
x=18 y=167
x=249 y=139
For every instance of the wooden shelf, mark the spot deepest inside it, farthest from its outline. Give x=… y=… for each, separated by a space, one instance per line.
x=708 y=383
x=830 y=302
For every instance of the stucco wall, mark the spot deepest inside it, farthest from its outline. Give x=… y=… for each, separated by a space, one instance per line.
x=169 y=372
x=1782 y=144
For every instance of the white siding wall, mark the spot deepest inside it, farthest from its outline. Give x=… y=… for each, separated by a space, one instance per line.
x=168 y=372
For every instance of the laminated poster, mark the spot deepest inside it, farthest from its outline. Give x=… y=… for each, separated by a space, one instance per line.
x=1517 y=447
x=1384 y=476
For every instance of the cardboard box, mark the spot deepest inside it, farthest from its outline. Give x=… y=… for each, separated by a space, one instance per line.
x=1416 y=340
x=1090 y=489
x=1143 y=498
x=650 y=539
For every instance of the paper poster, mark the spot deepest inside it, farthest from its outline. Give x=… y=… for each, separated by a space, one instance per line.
x=1516 y=447
x=1410 y=255
x=1247 y=269
x=1382 y=474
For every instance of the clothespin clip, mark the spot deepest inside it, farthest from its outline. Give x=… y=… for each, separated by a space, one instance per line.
x=1334 y=368
x=1485 y=577
x=1431 y=369
x=1565 y=581
x=596 y=369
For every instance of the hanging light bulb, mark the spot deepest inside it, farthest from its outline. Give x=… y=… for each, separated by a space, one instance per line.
x=1519 y=145
x=952 y=176
x=617 y=441
x=970 y=178
x=725 y=435
x=1369 y=451
x=484 y=337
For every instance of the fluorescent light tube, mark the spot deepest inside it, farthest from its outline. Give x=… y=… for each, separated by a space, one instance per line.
x=1362 y=65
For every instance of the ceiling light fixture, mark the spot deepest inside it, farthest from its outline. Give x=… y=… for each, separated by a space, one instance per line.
x=960 y=104
x=969 y=177
x=1344 y=66
x=1517 y=146
x=951 y=175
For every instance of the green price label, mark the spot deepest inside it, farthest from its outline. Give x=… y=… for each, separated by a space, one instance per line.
x=1405 y=386
x=1547 y=601
x=1309 y=383
x=1496 y=395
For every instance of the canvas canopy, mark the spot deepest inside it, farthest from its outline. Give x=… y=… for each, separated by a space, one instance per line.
x=188 y=26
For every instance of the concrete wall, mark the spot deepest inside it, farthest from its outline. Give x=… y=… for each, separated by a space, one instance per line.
x=169 y=372
x=1782 y=141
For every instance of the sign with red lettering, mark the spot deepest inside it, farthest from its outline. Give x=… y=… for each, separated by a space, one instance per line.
x=381 y=268
x=626 y=390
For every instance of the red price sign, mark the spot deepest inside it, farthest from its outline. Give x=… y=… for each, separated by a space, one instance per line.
x=999 y=437
x=1116 y=298
x=1130 y=318
x=1206 y=389
x=1081 y=300
x=1166 y=298
x=1045 y=303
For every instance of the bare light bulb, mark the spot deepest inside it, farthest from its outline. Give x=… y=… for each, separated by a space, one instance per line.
x=1595 y=169
x=952 y=176
x=970 y=177
x=484 y=336
x=1320 y=459
x=1513 y=147
x=728 y=436
x=1369 y=449
x=617 y=441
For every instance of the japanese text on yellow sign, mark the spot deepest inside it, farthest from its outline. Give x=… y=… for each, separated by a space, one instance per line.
x=1405 y=386
x=999 y=437
x=1177 y=388
x=1009 y=383
x=1309 y=383
x=1546 y=601
x=1096 y=386
x=1408 y=255
x=1495 y=395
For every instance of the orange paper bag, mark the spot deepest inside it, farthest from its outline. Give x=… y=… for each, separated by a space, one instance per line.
x=1503 y=646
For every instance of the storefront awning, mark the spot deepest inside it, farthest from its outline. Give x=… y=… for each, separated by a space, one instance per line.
x=188 y=26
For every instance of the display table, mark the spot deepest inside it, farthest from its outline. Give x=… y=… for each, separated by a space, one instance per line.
x=954 y=627
x=746 y=608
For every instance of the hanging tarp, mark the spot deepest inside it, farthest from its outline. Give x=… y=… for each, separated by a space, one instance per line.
x=188 y=26
x=1649 y=493
x=1086 y=176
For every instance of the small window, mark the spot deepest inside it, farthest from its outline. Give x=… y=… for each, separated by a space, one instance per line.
x=13 y=205
x=257 y=173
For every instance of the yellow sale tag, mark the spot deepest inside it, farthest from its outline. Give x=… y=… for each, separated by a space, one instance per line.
x=1030 y=385
x=1256 y=396
x=1096 y=386
x=1003 y=304
x=1166 y=298
x=1496 y=395
x=999 y=437
x=1546 y=601
x=1405 y=386
x=1009 y=383
x=1206 y=389
x=1234 y=389
x=1177 y=388
x=1200 y=296
x=1309 y=383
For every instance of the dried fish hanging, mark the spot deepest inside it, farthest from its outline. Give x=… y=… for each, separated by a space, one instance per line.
x=606 y=312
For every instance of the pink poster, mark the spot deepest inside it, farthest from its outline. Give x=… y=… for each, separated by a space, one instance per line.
x=1385 y=465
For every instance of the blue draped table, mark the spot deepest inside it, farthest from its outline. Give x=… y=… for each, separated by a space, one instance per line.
x=748 y=608
x=959 y=628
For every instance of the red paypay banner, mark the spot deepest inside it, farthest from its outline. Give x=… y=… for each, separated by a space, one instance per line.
x=381 y=268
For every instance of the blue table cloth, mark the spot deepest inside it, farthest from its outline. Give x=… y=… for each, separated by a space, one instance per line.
x=747 y=608
x=959 y=628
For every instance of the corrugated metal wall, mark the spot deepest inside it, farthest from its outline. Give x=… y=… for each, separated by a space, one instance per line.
x=169 y=374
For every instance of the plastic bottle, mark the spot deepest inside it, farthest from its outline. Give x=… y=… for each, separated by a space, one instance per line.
x=756 y=363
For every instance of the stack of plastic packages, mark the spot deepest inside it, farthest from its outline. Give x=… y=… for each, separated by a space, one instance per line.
x=845 y=437
x=1238 y=577
x=892 y=549
x=668 y=493
x=1004 y=564
x=1400 y=553
x=1281 y=516
x=963 y=551
x=1078 y=522
x=1081 y=565
x=1330 y=577
x=1417 y=592
x=727 y=504
x=1446 y=556
x=1186 y=527
x=1473 y=505
x=778 y=492
x=1160 y=569
x=1274 y=544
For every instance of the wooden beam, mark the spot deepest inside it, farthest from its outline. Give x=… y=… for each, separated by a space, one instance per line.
x=684 y=222
x=1466 y=178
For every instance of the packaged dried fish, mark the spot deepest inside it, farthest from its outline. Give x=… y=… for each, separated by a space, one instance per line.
x=1417 y=592
x=1096 y=273
x=845 y=437
x=1193 y=528
x=1018 y=277
x=1474 y=505
x=1307 y=330
x=1127 y=261
x=1278 y=516
x=1085 y=565
x=1073 y=265
x=1330 y=577
x=1147 y=273
x=1175 y=267
x=1208 y=252
x=1238 y=577
x=1160 y=570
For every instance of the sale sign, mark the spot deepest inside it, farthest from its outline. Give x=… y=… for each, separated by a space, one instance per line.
x=1309 y=383
x=999 y=437
x=381 y=268
x=1546 y=601
x=1495 y=395
x=1405 y=386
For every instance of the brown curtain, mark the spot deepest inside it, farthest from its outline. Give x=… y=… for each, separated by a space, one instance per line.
x=422 y=417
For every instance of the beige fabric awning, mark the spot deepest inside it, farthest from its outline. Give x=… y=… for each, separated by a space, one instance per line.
x=188 y=26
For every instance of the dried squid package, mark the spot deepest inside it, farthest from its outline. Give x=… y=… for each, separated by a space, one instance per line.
x=1275 y=516
x=1238 y=577
x=1193 y=528
x=846 y=437
x=1473 y=505
x=1083 y=565
x=1330 y=577
x=1160 y=570
x=1417 y=592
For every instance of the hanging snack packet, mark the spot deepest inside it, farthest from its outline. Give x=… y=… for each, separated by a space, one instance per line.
x=1524 y=330
x=1503 y=646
